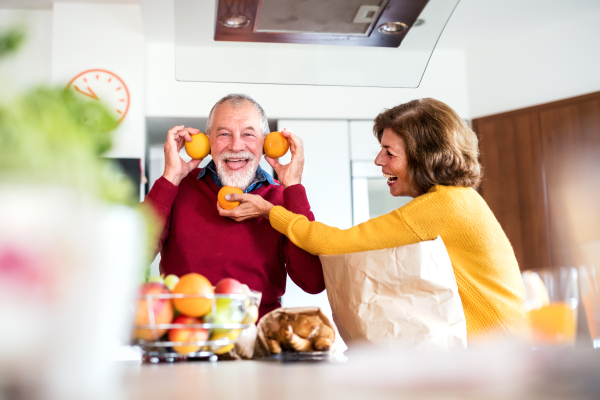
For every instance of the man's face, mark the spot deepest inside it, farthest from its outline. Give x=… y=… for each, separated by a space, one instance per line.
x=236 y=143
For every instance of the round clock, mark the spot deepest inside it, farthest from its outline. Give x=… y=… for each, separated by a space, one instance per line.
x=102 y=85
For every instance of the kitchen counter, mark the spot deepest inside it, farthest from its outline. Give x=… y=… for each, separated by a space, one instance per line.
x=514 y=373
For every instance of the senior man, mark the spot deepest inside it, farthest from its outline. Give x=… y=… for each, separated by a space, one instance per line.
x=195 y=238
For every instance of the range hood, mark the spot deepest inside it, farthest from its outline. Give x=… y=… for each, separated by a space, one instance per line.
x=361 y=43
x=379 y=23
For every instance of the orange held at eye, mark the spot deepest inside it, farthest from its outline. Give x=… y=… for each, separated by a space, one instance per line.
x=199 y=147
x=276 y=145
x=193 y=284
x=226 y=204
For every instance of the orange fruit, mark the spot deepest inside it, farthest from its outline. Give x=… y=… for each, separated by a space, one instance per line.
x=193 y=284
x=276 y=145
x=199 y=147
x=187 y=335
x=225 y=190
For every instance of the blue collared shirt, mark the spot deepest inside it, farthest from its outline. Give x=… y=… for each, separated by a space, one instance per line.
x=260 y=177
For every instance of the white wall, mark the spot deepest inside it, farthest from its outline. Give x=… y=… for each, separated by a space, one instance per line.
x=327 y=181
x=551 y=64
x=31 y=65
x=110 y=37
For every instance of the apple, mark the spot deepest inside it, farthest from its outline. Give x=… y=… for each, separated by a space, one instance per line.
x=229 y=286
x=187 y=334
x=171 y=281
x=217 y=334
x=162 y=310
x=251 y=316
x=156 y=279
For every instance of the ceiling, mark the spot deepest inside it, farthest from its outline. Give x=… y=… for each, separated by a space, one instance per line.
x=474 y=22
x=477 y=22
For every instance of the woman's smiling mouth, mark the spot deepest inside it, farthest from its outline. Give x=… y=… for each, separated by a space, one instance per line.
x=390 y=178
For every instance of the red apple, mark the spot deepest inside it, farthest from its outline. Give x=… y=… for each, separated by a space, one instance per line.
x=162 y=310
x=229 y=286
x=187 y=335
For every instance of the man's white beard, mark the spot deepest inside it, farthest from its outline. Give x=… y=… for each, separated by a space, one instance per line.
x=239 y=179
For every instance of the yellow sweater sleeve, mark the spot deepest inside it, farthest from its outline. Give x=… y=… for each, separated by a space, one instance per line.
x=389 y=230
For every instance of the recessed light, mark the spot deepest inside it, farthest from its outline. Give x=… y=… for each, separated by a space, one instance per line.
x=235 y=21
x=392 y=28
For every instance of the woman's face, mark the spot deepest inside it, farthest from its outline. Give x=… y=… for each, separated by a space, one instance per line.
x=394 y=164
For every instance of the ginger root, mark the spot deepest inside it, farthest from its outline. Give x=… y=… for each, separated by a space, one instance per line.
x=298 y=343
x=301 y=332
x=274 y=346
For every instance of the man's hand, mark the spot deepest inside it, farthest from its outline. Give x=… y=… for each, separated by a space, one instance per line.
x=251 y=206
x=175 y=168
x=290 y=174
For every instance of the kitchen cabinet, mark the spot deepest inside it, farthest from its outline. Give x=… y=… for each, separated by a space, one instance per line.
x=541 y=169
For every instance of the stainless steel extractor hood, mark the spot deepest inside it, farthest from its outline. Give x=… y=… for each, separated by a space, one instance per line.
x=380 y=23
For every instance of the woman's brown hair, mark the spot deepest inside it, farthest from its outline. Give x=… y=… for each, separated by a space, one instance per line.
x=440 y=147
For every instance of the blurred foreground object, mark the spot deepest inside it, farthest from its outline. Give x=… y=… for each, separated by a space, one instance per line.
x=551 y=298
x=589 y=283
x=71 y=246
x=10 y=40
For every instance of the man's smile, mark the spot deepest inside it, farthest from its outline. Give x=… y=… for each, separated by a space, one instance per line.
x=236 y=163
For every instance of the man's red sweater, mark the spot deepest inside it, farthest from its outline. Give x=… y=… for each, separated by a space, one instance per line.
x=195 y=238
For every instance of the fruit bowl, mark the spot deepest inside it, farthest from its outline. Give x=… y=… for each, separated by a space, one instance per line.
x=204 y=337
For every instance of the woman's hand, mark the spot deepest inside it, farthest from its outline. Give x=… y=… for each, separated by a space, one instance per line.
x=251 y=206
x=175 y=168
x=290 y=174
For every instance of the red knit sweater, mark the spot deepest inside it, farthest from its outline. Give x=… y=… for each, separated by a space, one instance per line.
x=195 y=238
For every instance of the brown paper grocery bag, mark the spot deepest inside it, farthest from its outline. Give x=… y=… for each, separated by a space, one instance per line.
x=406 y=295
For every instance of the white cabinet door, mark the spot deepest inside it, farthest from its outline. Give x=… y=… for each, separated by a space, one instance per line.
x=327 y=180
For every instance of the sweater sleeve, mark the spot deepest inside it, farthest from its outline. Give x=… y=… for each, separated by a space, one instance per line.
x=304 y=269
x=160 y=200
x=386 y=231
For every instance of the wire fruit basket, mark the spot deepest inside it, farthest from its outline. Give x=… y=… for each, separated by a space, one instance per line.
x=203 y=337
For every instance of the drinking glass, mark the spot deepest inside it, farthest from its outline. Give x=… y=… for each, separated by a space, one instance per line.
x=551 y=297
x=589 y=282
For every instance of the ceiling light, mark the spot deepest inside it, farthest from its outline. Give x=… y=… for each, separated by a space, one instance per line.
x=392 y=28
x=235 y=21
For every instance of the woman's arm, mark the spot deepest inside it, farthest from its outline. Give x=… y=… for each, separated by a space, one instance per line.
x=389 y=230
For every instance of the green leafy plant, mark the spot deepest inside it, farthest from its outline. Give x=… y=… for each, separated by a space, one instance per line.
x=44 y=140
x=11 y=39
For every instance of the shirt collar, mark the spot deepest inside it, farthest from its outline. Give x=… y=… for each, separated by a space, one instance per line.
x=260 y=177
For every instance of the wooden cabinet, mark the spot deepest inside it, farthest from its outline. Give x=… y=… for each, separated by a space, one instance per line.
x=541 y=170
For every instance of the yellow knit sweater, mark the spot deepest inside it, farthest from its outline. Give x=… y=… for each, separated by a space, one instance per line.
x=486 y=270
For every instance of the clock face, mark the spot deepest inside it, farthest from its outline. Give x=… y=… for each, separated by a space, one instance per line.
x=101 y=85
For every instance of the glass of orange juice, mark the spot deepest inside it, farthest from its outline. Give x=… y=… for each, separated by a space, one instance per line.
x=551 y=297
x=589 y=282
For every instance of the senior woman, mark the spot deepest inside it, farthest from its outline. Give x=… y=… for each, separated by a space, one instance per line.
x=427 y=152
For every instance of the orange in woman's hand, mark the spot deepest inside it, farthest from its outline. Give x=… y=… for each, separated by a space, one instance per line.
x=199 y=147
x=226 y=204
x=276 y=145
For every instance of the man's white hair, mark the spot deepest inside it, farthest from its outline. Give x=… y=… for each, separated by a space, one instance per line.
x=237 y=99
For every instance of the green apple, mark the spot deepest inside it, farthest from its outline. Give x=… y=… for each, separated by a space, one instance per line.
x=157 y=279
x=171 y=281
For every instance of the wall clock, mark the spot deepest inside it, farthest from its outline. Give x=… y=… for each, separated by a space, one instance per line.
x=101 y=85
